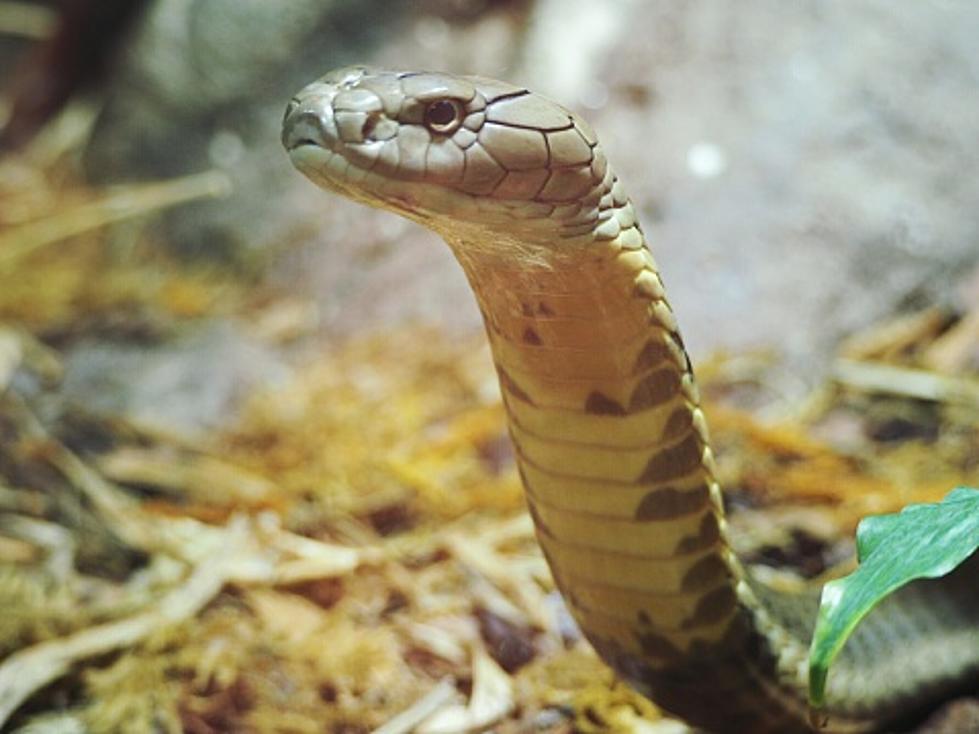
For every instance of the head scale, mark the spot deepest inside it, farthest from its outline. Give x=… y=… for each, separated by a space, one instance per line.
x=453 y=152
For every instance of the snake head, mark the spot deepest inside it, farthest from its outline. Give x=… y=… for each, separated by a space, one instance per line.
x=450 y=151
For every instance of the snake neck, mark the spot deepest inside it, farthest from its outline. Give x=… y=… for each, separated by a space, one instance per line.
x=614 y=454
x=603 y=408
x=615 y=458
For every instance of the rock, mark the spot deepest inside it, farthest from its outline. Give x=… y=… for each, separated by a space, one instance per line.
x=801 y=169
x=839 y=137
x=956 y=717
x=192 y=383
x=195 y=91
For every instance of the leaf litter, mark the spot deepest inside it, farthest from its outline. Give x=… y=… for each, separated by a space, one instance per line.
x=354 y=554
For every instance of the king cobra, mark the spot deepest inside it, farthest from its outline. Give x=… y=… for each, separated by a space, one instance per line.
x=603 y=410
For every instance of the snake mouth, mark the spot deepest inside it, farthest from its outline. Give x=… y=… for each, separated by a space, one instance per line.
x=302 y=143
x=312 y=137
x=332 y=170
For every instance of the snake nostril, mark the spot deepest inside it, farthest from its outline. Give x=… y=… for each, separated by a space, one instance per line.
x=370 y=124
x=290 y=108
x=377 y=127
x=304 y=127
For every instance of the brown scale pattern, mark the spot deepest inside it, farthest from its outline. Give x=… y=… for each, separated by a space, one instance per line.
x=610 y=441
x=659 y=503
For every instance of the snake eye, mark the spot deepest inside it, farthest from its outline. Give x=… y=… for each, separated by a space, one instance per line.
x=443 y=116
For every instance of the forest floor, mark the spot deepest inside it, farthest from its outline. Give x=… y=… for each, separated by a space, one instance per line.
x=347 y=548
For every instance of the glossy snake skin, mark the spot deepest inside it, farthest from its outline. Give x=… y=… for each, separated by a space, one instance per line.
x=603 y=409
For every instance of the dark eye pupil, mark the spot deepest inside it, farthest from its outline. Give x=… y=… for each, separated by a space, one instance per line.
x=441 y=113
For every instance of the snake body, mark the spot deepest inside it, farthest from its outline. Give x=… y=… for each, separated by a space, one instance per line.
x=612 y=446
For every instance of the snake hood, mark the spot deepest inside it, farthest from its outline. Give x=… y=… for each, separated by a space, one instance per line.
x=467 y=150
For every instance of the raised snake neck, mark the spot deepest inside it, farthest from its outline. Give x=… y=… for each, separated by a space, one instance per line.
x=612 y=446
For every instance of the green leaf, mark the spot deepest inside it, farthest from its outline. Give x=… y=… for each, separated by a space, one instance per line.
x=922 y=541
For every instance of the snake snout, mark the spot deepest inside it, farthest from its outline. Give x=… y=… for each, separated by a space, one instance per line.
x=331 y=117
x=308 y=122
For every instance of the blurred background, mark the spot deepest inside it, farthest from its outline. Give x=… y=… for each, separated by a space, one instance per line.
x=801 y=170
x=175 y=298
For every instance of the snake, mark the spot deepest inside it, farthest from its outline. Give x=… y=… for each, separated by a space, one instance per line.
x=603 y=411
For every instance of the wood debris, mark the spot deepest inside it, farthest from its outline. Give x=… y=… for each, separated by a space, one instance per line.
x=354 y=555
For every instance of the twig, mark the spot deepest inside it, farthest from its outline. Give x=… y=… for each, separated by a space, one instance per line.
x=32 y=668
x=894 y=336
x=952 y=350
x=26 y=501
x=491 y=700
x=224 y=555
x=131 y=202
x=120 y=511
x=411 y=717
x=27 y=20
x=304 y=559
x=56 y=540
x=907 y=382
x=11 y=354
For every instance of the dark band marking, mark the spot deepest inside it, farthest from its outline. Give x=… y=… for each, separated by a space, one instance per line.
x=654 y=389
x=712 y=608
x=544 y=310
x=526 y=309
x=657 y=646
x=670 y=503
x=565 y=375
x=674 y=462
x=679 y=422
x=574 y=443
x=507 y=383
x=583 y=542
x=531 y=337
x=600 y=404
x=609 y=482
x=706 y=572
x=707 y=536
x=716 y=684
x=654 y=352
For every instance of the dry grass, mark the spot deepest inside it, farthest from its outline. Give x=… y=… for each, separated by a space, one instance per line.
x=360 y=536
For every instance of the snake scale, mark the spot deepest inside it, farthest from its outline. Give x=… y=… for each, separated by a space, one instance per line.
x=603 y=410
